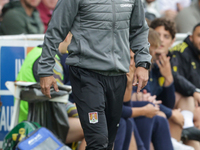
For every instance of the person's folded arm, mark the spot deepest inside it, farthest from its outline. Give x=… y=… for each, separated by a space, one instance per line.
x=168 y=96
x=166 y=110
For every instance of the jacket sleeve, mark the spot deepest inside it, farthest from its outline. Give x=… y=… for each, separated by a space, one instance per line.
x=179 y=67
x=183 y=86
x=58 y=28
x=166 y=110
x=167 y=96
x=139 y=34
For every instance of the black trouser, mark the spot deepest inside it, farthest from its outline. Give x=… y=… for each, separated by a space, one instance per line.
x=99 y=102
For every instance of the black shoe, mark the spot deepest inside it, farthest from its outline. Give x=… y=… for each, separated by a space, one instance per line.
x=191 y=133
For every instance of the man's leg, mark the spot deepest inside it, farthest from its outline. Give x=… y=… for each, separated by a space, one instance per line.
x=115 y=89
x=187 y=106
x=175 y=130
x=197 y=117
x=194 y=144
x=144 y=127
x=89 y=96
x=121 y=134
x=157 y=131
x=140 y=144
x=133 y=144
x=161 y=138
x=129 y=133
x=75 y=132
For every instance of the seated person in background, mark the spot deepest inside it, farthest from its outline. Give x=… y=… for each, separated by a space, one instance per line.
x=21 y=17
x=166 y=30
x=188 y=17
x=2 y=3
x=28 y=72
x=186 y=67
x=142 y=118
x=63 y=50
x=170 y=8
x=150 y=8
x=161 y=85
x=45 y=9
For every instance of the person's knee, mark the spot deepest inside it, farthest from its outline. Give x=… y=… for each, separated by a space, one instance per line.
x=189 y=99
x=186 y=103
x=161 y=120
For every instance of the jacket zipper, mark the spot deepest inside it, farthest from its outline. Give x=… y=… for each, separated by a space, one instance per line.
x=113 y=29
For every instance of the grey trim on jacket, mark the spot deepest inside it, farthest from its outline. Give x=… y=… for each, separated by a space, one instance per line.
x=103 y=31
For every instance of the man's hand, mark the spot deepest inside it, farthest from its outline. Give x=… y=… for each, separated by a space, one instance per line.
x=46 y=83
x=165 y=68
x=63 y=45
x=150 y=110
x=196 y=98
x=141 y=76
x=177 y=117
x=147 y=97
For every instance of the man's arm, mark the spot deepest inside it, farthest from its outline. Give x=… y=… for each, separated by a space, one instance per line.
x=58 y=28
x=182 y=85
x=139 y=44
x=168 y=93
x=139 y=34
x=131 y=112
x=179 y=71
x=168 y=96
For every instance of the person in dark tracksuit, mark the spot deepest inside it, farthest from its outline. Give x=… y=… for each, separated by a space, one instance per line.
x=161 y=81
x=185 y=62
x=186 y=68
x=99 y=56
x=136 y=115
x=183 y=107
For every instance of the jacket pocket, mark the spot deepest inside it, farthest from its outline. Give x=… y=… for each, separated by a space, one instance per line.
x=74 y=53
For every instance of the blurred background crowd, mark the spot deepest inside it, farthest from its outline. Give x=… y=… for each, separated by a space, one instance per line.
x=185 y=14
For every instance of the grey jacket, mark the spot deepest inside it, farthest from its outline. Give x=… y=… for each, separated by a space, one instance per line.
x=103 y=31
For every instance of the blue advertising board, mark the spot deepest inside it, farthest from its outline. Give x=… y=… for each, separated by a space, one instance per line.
x=11 y=59
x=5 y=115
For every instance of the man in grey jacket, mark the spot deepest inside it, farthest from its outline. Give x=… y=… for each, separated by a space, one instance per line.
x=103 y=31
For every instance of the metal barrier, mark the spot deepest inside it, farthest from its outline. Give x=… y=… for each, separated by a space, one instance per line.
x=23 y=37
